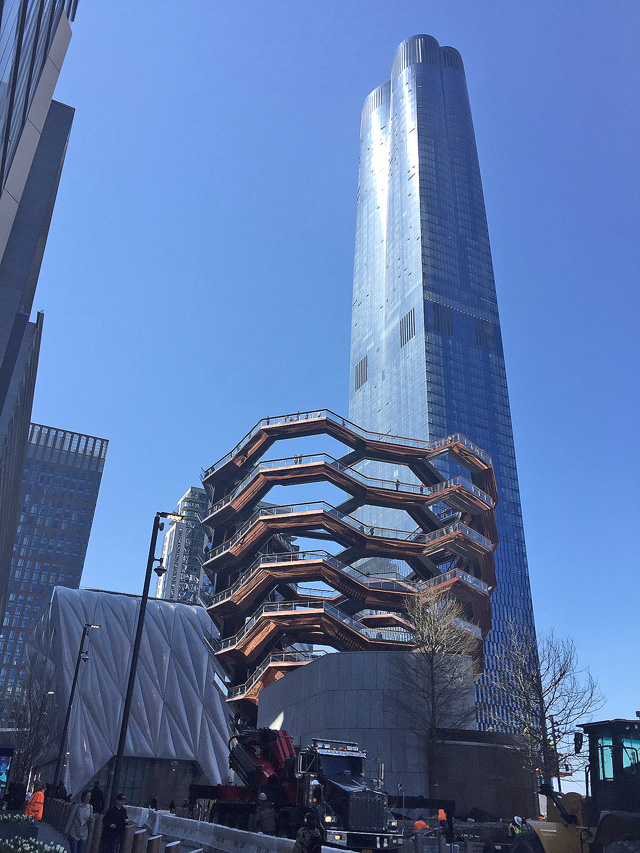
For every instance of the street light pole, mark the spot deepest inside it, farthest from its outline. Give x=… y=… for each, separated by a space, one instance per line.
x=114 y=780
x=65 y=728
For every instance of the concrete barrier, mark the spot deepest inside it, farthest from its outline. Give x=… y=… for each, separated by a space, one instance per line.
x=211 y=837
x=127 y=839
x=92 y=823
x=154 y=844
x=97 y=833
x=139 y=841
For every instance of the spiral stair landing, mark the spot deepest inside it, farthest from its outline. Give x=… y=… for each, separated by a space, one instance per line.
x=269 y=619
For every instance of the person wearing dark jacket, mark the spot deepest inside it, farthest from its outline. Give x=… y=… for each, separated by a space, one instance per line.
x=97 y=798
x=113 y=826
x=265 y=820
x=308 y=839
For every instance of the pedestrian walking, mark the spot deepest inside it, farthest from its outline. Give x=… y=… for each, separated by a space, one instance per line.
x=265 y=820
x=77 y=828
x=308 y=839
x=113 y=826
x=97 y=798
x=36 y=802
x=397 y=485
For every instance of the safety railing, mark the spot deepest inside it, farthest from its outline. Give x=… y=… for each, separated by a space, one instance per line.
x=371 y=482
x=390 y=584
x=391 y=635
x=468 y=627
x=327 y=414
x=381 y=532
x=274 y=658
x=453 y=574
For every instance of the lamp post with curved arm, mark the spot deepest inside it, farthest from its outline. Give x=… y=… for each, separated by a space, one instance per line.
x=114 y=776
x=82 y=656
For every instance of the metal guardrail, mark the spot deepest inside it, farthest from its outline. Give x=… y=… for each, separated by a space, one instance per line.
x=372 y=582
x=327 y=414
x=274 y=657
x=381 y=532
x=372 y=482
x=314 y=604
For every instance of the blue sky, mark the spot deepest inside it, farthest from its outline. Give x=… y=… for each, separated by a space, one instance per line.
x=198 y=270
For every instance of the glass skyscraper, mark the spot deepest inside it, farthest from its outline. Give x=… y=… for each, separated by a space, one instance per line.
x=426 y=349
x=34 y=131
x=60 y=483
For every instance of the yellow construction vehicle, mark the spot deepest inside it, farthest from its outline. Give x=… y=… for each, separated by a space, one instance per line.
x=607 y=820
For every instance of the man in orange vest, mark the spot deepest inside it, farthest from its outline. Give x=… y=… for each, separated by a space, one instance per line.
x=36 y=802
x=420 y=824
x=442 y=820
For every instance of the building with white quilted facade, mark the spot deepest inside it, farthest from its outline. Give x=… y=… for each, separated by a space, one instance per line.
x=178 y=726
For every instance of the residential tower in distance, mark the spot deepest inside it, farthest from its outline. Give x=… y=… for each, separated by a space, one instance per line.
x=182 y=549
x=426 y=347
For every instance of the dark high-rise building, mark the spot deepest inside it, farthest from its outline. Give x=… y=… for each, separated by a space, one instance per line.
x=34 y=130
x=60 y=483
x=426 y=348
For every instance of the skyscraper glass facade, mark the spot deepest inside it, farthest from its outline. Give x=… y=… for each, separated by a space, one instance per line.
x=60 y=483
x=27 y=30
x=182 y=549
x=34 y=131
x=426 y=348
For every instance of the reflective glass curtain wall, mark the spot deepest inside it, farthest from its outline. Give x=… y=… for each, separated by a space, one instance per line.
x=426 y=350
x=27 y=28
x=60 y=484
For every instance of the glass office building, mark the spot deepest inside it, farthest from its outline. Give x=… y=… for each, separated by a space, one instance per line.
x=34 y=131
x=426 y=349
x=27 y=32
x=60 y=483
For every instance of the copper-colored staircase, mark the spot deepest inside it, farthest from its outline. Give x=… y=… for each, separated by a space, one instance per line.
x=268 y=623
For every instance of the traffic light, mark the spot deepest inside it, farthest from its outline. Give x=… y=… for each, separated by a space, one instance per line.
x=578 y=740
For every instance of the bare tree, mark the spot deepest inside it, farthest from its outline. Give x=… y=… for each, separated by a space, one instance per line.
x=29 y=715
x=435 y=677
x=549 y=694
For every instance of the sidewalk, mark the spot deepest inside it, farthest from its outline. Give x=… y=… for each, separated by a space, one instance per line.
x=49 y=835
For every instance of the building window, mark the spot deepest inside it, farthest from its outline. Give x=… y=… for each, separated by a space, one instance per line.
x=361 y=373
x=407 y=327
x=484 y=333
x=442 y=319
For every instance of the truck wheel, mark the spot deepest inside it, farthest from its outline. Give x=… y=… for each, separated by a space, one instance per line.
x=528 y=842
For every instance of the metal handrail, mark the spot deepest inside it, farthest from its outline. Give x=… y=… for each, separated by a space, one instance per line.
x=323 y=506
x=374 y=482
x=313 y=604
x=327 y=414
x=274 y=657
x=393 y=584
x=372 y=582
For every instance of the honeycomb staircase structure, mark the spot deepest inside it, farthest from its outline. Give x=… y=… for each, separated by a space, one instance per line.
x=269 y=619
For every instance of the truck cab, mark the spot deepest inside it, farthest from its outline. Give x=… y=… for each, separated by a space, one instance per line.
x=331 y=782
